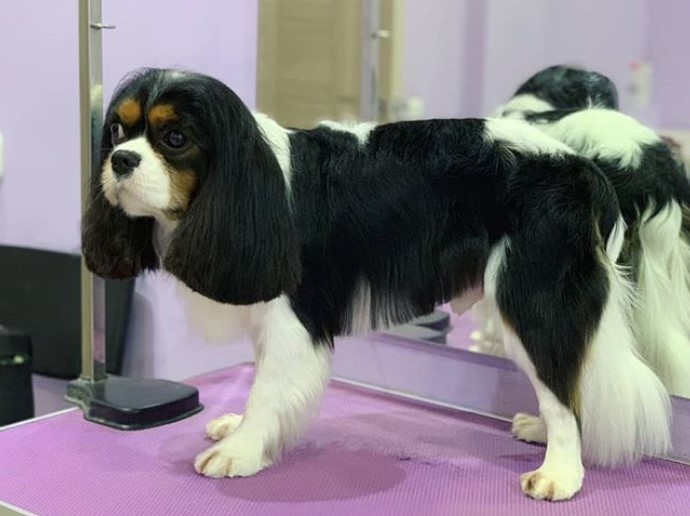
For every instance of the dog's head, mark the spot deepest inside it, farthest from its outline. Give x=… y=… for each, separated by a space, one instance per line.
x=180 y=149
x=561 y=88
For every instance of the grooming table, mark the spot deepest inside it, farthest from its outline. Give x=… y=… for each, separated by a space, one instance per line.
x=367 y=454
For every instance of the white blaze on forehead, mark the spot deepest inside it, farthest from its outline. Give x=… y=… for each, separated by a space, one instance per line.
x=176 y=74
x=146 y=191
x=523 y=137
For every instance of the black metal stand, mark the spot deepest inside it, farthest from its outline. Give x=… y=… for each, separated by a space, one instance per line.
x=123 y=403
x=133 y=403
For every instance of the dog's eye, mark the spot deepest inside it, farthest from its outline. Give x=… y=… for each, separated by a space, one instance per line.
x=117 y=133
x=175 y=139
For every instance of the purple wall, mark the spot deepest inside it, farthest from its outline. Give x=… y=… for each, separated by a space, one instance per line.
x=515 y=47
x=434 y=53
x=39 y=196
x=217 y=37
x=668 y=47
x=465 y=57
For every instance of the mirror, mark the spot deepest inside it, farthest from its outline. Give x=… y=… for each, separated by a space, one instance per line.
x=392 y=60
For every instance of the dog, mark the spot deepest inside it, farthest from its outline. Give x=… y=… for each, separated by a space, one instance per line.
x=301 y=235
x=654 y=196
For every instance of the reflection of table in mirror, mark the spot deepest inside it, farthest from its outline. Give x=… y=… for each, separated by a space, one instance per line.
x=443 y=326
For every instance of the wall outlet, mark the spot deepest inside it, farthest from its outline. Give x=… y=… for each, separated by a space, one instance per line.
x=641 y=78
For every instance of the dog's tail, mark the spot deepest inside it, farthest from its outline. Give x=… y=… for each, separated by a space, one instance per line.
x=662 y=317
x=625 y=409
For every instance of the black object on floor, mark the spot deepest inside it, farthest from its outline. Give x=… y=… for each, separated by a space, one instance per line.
x=134 y=403
x=41 y=295
x=16 y=390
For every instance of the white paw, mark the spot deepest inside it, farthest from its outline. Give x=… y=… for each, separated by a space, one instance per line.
x=232 y=457
x=552 y=483
x=223 y=426
x=529 y=428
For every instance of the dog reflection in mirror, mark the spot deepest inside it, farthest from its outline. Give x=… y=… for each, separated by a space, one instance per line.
x=579 y=108
x=298 y=236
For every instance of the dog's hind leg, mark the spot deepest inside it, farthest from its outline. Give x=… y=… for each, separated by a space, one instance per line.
x=562 y=472
x=566 y=324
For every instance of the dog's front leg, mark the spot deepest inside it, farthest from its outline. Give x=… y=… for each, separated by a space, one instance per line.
x=291 y=376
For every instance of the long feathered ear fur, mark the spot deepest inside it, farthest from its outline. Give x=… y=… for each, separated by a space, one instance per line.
x=114 y=245
x=237 y=244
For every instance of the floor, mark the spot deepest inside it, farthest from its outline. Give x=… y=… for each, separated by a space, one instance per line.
x=365 y=455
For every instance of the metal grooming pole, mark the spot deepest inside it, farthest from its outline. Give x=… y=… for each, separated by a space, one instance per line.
x=372 y=34
x=123 y=403
x=90 y=122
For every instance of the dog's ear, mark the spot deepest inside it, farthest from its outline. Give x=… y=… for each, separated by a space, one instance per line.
x=237 y=244
x=114 y=245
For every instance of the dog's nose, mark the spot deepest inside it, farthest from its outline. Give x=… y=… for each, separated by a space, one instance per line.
x=124 y=162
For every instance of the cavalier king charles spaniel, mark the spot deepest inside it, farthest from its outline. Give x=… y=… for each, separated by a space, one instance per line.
x=579 y=108
x=298 y=236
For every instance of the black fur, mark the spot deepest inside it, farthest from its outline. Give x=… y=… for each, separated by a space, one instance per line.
x=569 y=87
x=237 y=244
x=414 y=213
x=656 y=182
x=553 y=287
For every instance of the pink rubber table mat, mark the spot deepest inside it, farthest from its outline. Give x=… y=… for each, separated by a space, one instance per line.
x=365 y=455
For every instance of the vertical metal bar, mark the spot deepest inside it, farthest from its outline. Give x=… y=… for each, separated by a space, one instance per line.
x=91 y=120
x=369 y=98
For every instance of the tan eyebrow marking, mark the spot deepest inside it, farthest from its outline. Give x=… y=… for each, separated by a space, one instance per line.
x=129 y=111
x=162 y=114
